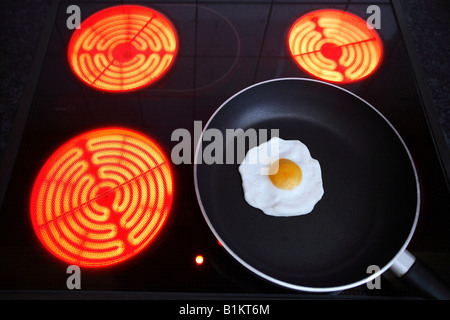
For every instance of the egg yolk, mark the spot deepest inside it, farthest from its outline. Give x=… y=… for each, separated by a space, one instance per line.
x=288 y=176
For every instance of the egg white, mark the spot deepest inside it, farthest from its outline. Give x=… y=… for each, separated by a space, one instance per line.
x=259 y=191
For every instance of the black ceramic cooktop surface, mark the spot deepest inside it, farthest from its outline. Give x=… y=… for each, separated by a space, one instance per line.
x=222 y=48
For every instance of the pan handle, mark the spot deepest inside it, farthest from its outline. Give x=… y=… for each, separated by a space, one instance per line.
x=408 y=268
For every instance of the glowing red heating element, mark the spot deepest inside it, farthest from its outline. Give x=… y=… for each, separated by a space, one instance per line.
x=123 y=48
x=102 y=197
x=335 y=46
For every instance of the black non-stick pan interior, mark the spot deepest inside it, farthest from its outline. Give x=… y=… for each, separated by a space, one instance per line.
x=370 y=206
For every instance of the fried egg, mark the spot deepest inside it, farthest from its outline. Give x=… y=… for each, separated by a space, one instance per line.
x=281 y=178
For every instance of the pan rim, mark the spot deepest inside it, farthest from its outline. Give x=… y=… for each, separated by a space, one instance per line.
x=284 y=283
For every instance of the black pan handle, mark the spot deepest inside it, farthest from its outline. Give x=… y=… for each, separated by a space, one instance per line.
x=412 y=271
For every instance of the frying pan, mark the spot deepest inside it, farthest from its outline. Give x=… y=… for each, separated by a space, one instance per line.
x=371 y=203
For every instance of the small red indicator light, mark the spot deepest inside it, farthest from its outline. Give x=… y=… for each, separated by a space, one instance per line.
x=123 y=48
x=335 y=46
x=102 y=197
x=199 y=260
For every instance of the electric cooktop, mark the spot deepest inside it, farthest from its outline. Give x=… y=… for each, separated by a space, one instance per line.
x=92 y=200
